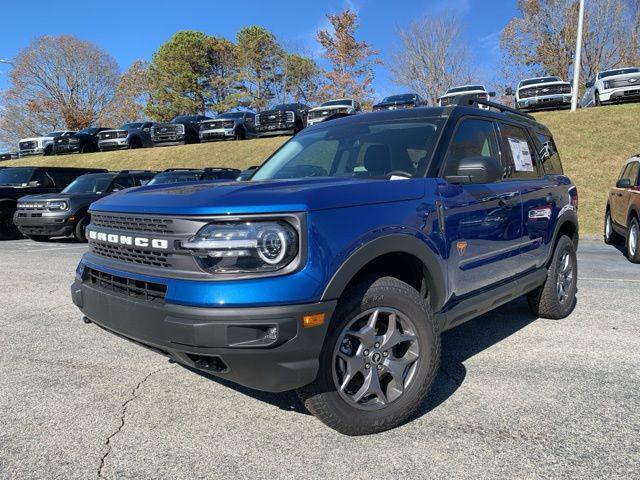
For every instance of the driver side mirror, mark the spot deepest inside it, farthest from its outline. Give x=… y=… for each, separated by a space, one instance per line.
x=588 y=84
x=477 y=169
x=492 y=94
x=509 y=92
x=146 y=129
x=623 y=183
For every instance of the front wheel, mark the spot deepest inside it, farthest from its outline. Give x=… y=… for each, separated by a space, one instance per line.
x=596 y=100
x=379 y=359
x=556 y=298
x=79 y=232
x=633 y=238
x=8 y=229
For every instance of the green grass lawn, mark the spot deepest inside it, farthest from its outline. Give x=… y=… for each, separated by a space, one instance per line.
x=593 y=144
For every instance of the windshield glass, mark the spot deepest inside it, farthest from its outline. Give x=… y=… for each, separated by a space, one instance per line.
x=131 y=126
x=534 y=81
x=372 y=150
x=620 y=71
x=97 y=183
x=284 y=106
x=89 y=131
x=15 y=176
x=231 y=115
x=399 y=98
x=337 y=102
x=468 y=88
x=54 y=134
x=184 y=119
x=176 y=177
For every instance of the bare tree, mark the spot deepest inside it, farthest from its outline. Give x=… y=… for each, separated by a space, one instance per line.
x=432 y=58
x=56 y=82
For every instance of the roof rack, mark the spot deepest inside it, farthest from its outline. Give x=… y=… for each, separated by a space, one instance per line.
x=137 y=171
x=221 y=169
x=182 y=169
x=470 y=100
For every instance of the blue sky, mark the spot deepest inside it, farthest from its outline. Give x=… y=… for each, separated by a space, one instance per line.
x=130 y=32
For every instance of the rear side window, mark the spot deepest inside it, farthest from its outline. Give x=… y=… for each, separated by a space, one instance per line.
x=520 y=153
x=120 y=183
x=473 y=138
x=62 y=178
x=549 y=156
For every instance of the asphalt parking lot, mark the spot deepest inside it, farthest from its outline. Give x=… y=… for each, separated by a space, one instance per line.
x=516 y=397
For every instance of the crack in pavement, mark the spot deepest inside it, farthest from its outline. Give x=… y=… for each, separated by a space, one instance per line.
x=123 y=413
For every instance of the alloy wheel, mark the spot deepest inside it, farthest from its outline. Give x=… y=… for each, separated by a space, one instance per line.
x=375 y=358
x=633 y=239
x=564 y=277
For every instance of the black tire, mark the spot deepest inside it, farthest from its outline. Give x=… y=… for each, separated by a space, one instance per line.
x=550 y=300
x=79 y=230
x=322 y=398
x=299 y=126
x=241 y=134
x=611 y=237
x=135 y=142
x=39 y=238
x=87 y=148
x=48 y=150
x=596 y=99
x=633 y=241
x=8 y=230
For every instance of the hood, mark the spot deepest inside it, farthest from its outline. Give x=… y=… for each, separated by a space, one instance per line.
x=330 y=107
x=544 y=84
x=621 y=75
x=62 y=196
x=272 y=196
x=272 y=112
x=466 y=92
x=397 y=102
x=34 y=139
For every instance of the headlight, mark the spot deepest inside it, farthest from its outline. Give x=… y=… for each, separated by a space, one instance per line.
x=57 y=206
x=607 y=85
x=245 y=247
x=256 y=120
x=180 y=129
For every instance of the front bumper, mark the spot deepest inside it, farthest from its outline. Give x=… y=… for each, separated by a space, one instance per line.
x=44 y=223
x=120 y=143
x=32 y=151
x=231 y=343
x=621 y=94
x=288 y=128
x=217 y=134
x=66 y=148
x=547 y=101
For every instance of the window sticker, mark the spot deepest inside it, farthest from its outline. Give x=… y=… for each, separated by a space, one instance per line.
x=521 y=155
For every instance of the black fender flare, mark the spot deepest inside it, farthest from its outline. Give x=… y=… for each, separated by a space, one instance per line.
x=633 y=212
x=394 y=243
x=8 y=201
x=566 y=217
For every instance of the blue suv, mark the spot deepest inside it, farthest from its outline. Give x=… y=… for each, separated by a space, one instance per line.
x=335 y=269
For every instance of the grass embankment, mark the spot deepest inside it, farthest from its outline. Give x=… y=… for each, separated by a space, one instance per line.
x=593 y=144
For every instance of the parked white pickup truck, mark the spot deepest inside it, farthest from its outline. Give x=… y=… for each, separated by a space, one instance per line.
x=619 y=85
x=543 y=93
x=41 y=145
x=452 y=95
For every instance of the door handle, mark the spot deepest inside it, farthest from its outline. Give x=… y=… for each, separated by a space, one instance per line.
x=619 y=194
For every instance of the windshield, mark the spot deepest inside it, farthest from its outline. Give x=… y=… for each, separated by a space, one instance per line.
x=399 y=98
x=184 y=119
x=468 y=88
x=285 y=106
x=231 y=115
x=620 y=71
x=372 y=150
x=15 y=176
x=89 y=131
x=176 y=177
x=54 y=134
x=97 y=183
x=337 y=102
x=534 y=81
x=131 y=126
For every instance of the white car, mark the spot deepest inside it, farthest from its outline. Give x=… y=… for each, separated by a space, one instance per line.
x=41 y=145
x=621 y=84
x=540 y=93
x=346 y=106
x=453 y=94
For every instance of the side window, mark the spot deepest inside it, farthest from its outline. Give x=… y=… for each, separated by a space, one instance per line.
x=140 y=180
x=520 y=153
x=473 y=138
x=626 y=172
x=549 y=156
x=120 y=183
x=43 y=179
x=633 y=174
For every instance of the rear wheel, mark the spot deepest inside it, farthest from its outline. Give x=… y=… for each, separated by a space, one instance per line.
x=8 y=230
x=556 y=298
x=610 y=235
x=633 y=240
x=379 y=359
x=79 y=232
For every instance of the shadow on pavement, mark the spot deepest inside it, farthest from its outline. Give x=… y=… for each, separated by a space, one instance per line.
x=458 y=345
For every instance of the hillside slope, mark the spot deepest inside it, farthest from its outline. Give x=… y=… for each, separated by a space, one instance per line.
x=593 y=144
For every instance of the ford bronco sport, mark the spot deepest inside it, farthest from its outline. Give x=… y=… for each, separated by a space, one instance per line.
x=334 y=270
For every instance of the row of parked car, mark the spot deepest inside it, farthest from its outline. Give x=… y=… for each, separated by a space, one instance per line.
x=45 y=202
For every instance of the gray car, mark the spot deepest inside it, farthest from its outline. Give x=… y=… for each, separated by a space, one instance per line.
x=129 y=135
x=229 y=125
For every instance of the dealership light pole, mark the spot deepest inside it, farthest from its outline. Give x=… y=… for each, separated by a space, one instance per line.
x=576 y=63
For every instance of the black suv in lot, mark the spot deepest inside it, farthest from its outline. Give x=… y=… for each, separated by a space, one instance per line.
x=16 y=182
x=84 y=141
x=283 y=119
x=129 y=135
x=182 y=129
x=63 y=214
x=229 y=125
x=184 y=175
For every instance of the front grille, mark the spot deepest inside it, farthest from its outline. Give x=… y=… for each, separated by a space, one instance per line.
x=151 y=292
x=62 y=141
x=542 y=91
x=140 y=256
x=623 y=82
x=631 y=93
x=31 y=206
x=276 y=117
x=112 y=135
x=28 y=145
x=211 y=125
x=134 y=223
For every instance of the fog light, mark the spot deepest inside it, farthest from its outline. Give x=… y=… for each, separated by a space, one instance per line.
x=314 y=320
x=272 y=333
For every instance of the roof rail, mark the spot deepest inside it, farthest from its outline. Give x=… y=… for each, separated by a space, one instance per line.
x=137 y=171
x=221 y=169
x=465 y=100
x=182 y=169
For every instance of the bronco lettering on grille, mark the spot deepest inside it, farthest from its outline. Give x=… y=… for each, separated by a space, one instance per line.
x=128 y=240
